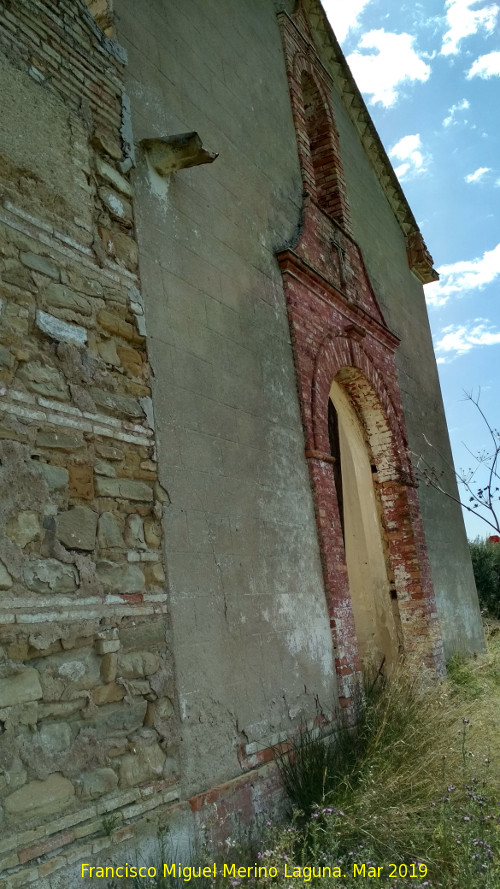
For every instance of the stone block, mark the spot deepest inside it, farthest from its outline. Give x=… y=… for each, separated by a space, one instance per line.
x=40 y=264
x=64 y=676
x=108 y=452
x=6 y=358
x=126 y=249
x=109 y=664
x=138 y=687
x=130 y=359
x=125 y=488
x=13 y=435
x=134 y=532
x=107 y=646
x=96 y=783
x=56 y=476
x=145 y=765
x=152 y=533
x=156 y=572
x=107 y=351
x=107 y=172
x=108 y=694
x=50 y=576
x=60 y=330
x=121 y=405
x=20 y=688
x=55 y=737
x=159 y=714
x=41 y=797
x=81 y=481
x=120 y=578
x=102 y=467
x=44 y=380
x=18 y=277
x=164 y=708
x=116 y=719
x=5 y=578
x=109 y=532
x=60 y=441
x=107 y=144
x=58 y=709
x=144 y=635
x=119 y=208
x=18 y=651
x=62 y=297
x=137 y=664
x=24 y=528
x=117 y=326
x=77 y=527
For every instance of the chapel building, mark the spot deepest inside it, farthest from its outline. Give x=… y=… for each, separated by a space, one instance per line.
x=216 y=370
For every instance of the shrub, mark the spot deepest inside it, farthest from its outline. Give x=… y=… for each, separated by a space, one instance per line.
x=485 y=557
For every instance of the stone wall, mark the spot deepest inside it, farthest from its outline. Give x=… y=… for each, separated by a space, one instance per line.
x=88 y=730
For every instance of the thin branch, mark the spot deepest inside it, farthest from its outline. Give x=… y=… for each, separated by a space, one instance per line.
x=482 y=496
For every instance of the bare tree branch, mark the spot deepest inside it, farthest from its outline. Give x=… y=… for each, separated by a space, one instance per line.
x=483 y=497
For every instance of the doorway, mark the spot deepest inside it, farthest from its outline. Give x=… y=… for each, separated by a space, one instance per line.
x=376 y=615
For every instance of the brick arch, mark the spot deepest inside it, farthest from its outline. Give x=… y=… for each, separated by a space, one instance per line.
x=344 y=359
x=317 y=139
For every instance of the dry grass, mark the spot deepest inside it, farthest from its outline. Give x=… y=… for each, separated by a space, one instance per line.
x=427 y=779
x=419 y=785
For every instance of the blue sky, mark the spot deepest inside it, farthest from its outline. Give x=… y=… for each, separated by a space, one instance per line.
x=430 y=74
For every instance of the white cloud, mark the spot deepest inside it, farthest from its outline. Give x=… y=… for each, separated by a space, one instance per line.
x=468 y=274
x=410 y=151
x=458 y=339
x=393 y=63
x=344 y=17
x=451 y=119
x=486 y=66
x=463 y=21
x=477 y=175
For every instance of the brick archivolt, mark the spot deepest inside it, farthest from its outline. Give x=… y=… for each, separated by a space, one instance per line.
x=365 y=384
x=317 y=137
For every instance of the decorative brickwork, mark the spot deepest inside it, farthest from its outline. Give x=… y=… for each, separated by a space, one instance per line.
x=317 y=137
x=313 y=22
x=338 y=333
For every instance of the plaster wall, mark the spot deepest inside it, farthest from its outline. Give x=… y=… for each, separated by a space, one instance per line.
x=252 y=638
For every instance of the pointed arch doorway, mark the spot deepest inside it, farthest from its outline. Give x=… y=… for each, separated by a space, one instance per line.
x=373 y=599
